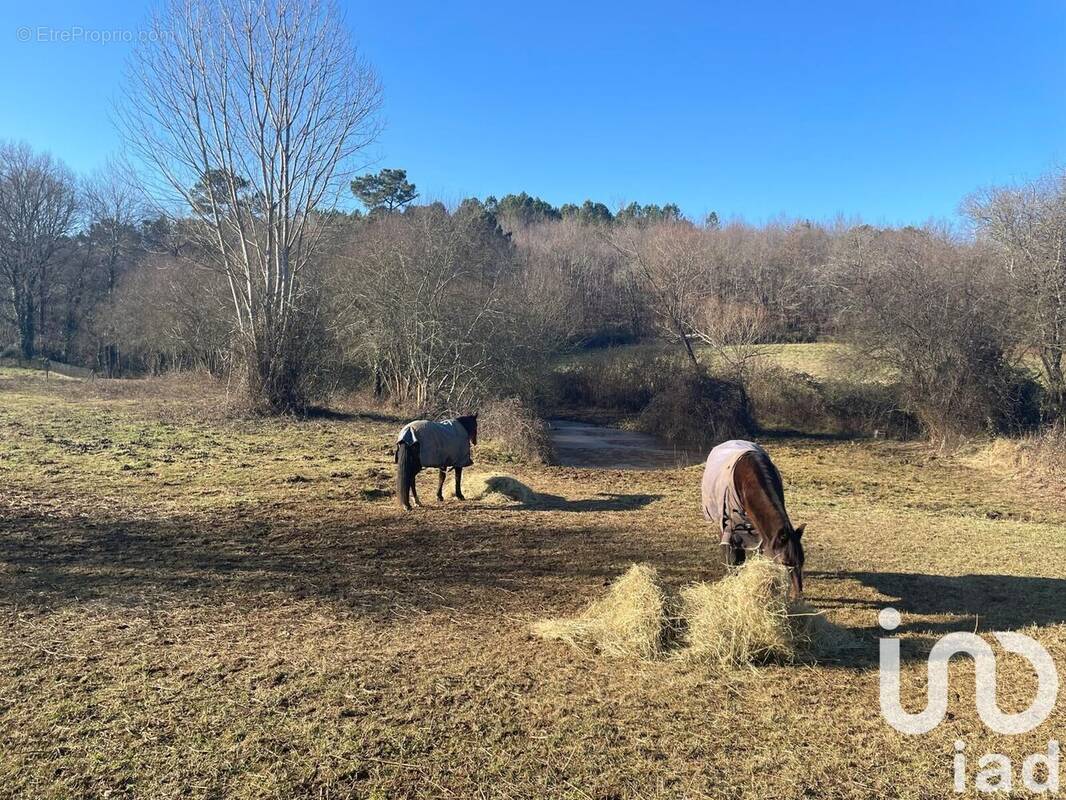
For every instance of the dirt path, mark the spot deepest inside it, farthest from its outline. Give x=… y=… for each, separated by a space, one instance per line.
x=579 y=444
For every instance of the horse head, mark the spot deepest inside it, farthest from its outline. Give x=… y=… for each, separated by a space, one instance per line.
x=787 y=549
x=470 y=423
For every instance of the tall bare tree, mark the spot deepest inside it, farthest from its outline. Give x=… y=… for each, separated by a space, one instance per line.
x=253 y=113
x=669 y=259
x=38 y=201
x=114 y=207
x=1028 y=225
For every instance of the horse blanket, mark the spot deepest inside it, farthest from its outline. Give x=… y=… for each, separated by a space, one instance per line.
x=440 y=444
x=721 y=503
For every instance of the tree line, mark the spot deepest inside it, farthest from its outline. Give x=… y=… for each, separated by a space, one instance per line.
x=227 y=250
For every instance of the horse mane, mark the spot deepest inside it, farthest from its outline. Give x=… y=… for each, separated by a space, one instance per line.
x=468 y=421
x=768 y=482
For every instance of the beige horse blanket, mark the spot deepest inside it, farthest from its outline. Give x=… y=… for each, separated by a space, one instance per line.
x=721 y=503
x=440 y=444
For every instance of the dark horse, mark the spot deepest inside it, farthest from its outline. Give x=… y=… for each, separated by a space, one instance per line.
x=423 y=443
x=743 y=492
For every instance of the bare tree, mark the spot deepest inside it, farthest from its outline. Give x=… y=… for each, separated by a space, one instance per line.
x=670 y=261
x=432 y=304
x=575 y=275
x=1028 y=226
x=253 y=113
x=694 y=294
x=38 y=201
x=734 y=331
x=919 y=306
x=114 y=207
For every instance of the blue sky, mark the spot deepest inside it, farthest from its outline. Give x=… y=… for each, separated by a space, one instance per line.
x=889 y=111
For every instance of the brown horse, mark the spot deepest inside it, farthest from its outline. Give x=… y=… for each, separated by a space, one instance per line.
x=743 y=492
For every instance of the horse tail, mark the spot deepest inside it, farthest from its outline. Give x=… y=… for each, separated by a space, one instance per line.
x=407 y=467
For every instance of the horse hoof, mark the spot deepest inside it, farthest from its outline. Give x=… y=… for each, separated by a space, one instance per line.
x=440 y=498
x=459 y=497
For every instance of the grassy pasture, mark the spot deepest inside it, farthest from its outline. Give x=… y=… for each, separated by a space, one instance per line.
x=196 y=606
x=814 y=358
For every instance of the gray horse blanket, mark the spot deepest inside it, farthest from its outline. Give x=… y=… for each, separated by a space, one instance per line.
x=440 y=444
x=721 y=503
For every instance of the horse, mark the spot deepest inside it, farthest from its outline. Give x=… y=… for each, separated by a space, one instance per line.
x=424 y=443
x=742 y=492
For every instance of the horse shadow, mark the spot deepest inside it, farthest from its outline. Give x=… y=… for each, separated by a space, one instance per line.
x=382 y=566
x=602 y=501
x=977 y=601
x=322 y=413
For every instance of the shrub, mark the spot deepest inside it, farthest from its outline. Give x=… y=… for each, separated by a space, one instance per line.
x=698 y=411
x=623 y=382
x=1022 y=401
x=797 y=401
x=873 y=409
x=788 y=400
x=924 y=307
x=515 y=429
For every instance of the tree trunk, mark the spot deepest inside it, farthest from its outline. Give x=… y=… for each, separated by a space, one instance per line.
x=1052 y=358
x=26 y=326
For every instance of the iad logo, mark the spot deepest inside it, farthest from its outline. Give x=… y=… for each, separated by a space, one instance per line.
x=985 y=667
x=997 y=774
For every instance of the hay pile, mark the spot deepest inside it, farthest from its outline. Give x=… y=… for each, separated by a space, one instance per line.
x=496 y=487
x=741 y=619
x=745 y=618
x=627 y=622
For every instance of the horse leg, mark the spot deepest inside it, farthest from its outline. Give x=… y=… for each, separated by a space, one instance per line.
x=440 y=485
x=459 y=483
x=414 y=491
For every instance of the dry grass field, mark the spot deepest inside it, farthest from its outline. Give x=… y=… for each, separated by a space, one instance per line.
x=819 y=359
x=198 y=606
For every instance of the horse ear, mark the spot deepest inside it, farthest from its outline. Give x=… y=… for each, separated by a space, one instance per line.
x=800 y=530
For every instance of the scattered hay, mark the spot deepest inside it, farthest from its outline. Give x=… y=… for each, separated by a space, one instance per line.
x=745 y=618
x=627 y=622
x=816 y=635
x=497 y=487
